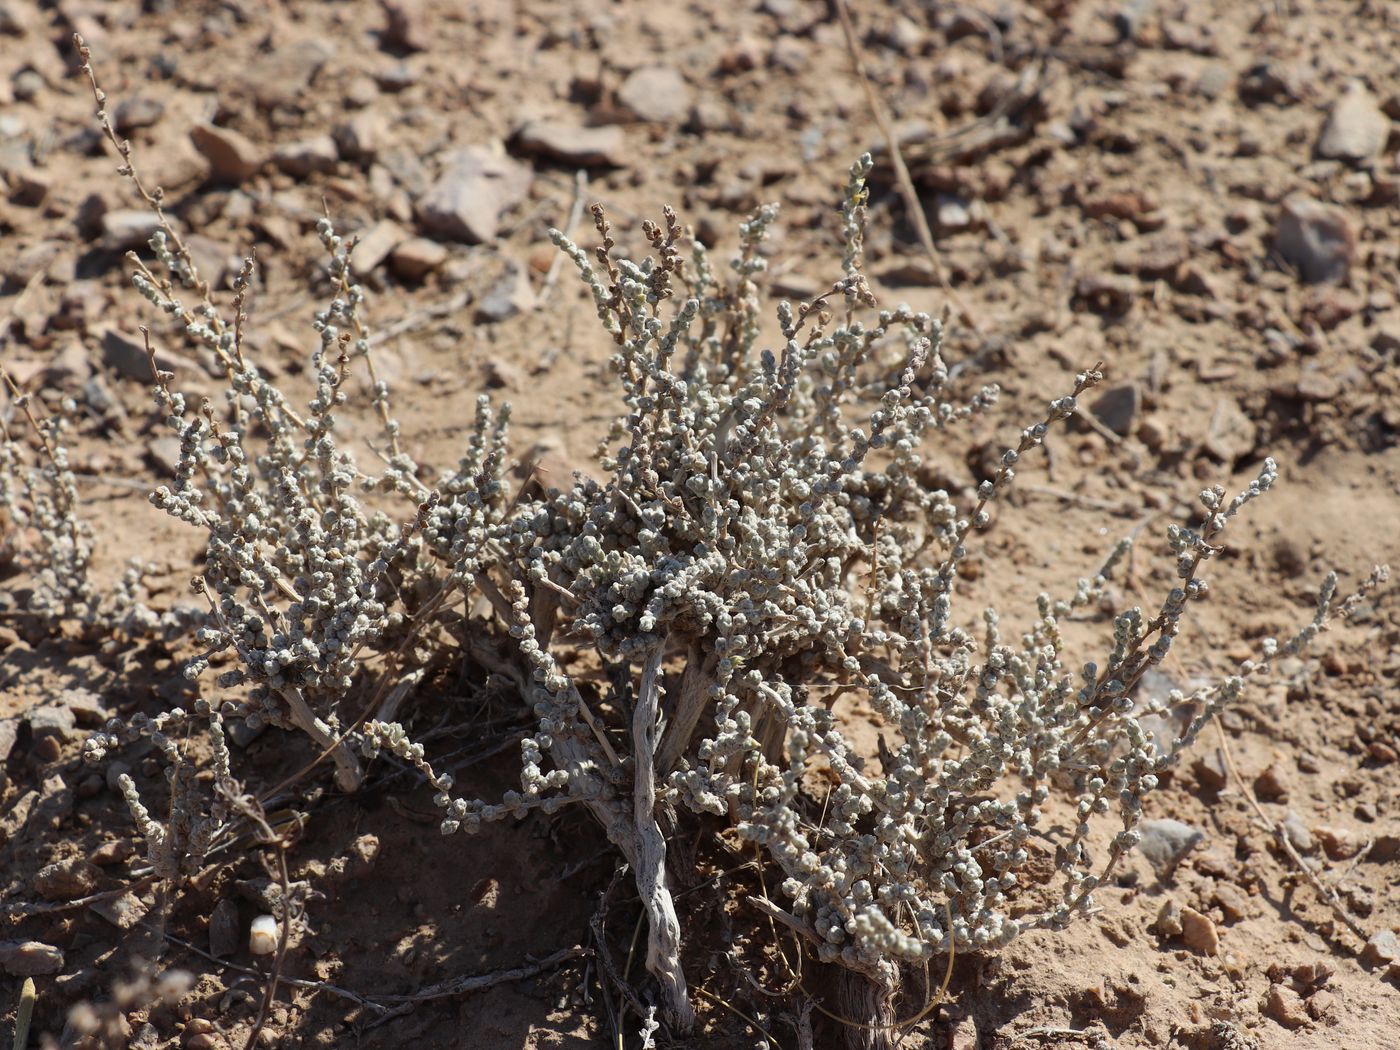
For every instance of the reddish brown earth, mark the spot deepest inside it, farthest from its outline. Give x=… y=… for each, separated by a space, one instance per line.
x=1122 y=201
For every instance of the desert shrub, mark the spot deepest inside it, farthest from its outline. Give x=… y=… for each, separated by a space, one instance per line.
x=760 y=544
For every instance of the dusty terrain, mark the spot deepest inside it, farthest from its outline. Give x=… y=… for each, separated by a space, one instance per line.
x=1126 y=183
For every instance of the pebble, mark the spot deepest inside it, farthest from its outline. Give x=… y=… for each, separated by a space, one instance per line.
x=1169 y=919
x=282 y=77
x=405 y=26
x=1117 y=408
x=137 y=112
x=1316 y=238
x=1166 y=842
x=88 y=708
x=656 y=94
x=305 y=156
x=475 y=188
x=233 y=157
x=508 y=295
x=603 y=147
x=1383 y=947
x=1198 y=932
x=66 y=880
x=1210 y=770
x=1271 y=784
x=1356 y=130
x=361 y=137
x=51 y=720
x=1232 y=901
x=164 y=454
x=127 y=228
x=1286 y=1007
x=417 y=257
x=127 y=356
x=1297 y=833
x=30 y=186
x=501 y=375
x=223 y=929
x=374 y=245
x=29 y=958
x=9 y=733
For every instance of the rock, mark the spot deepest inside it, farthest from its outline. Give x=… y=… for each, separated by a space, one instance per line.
x=30 y=186
x=475 y=188
x=136 y=112
x=127 y=228
x=164 y=454
x=1356 y=130
x=1198 y=932
x=951 y=212
x=223 y=929
x=1271 y=784
x=113 y=851
x=1164 y=843
x=1285 y=1006
x=1316 y=385
x=233 y=158
x=242 y=734
x=1210 y=771
x=1383 y=947
x=1107 y=290
x=417 y=257
x=66 y=880
x=282 y=77
x=1321 y=1005
x=1117 y=408
x=1232 y=901
x=9 y=733
x=51 y=720
x=405 y=26
x=123 y=912
x=501 y=375
x=305 y=156
x=574 y=144
x=1161 y=256
x=509 y=295
x=29 y=958
x=1297 y=833
x=88 y=708
x=127 y=356
x=212 y=259
x=657 y=94
x=1316 y=238
x=1169 y=919
x=1381 y=753
x=1232 y=434
x=1337 y=843
x=375 y=244
x=361 y=137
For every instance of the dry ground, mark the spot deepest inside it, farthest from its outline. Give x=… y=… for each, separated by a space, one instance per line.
x=1099 y=190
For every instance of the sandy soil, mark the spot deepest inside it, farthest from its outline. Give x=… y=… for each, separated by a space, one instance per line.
x=1102 y=187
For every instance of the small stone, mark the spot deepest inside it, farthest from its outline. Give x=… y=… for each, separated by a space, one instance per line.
x=1232 y=901
x=1164 y=843
x=1272 y=784
x=1316 y=238
x=127 y=228
x=51 y=720
x=1365 y=812
x=9 y=733
x=164 y=454
x=1322 y=1005
x=509 y=295
x=405 y=26
x=1169 y=919
x=305 y=156
x=363 y=854
x=475 y=188
x=88 y=708
x=1285 y=1006
x=501 y=375
x=1210 y=770
x=657 y=94
x=1117 y=407
x=113 y=851
x=1356 y=130
x=223 y=929
x=242 y=734
x=1316 y=385
x=361 y=137
x=1337 y=843
x=123 y=912
x=29 y=958
x=1162 y=256
x=951 y=212
x=30 y=186
x=137 y=112
x=127 y=356
x=282 y=77
x=1381 y=753
x=417 y=257
x=1107 y=290
x=375 y=244
x=1198 y=932
x=1297 y=833
x=604 y=147
x=66 y=880
x=1232 y=434
x=233 y=158
x=1383 y=947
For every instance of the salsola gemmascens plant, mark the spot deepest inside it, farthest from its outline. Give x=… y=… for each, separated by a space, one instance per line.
x=760 y=545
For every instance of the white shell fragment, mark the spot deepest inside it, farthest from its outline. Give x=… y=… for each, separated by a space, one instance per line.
x=262 y=936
